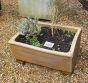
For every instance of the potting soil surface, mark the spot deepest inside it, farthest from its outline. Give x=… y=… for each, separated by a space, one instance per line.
x=62 y=39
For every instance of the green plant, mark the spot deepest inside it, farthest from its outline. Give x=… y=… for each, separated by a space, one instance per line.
x=30 y=29
x=59 y=9
x=69 y=34
x=24 y=27
x=29 y=26
x=34 y=26
x=33 y=40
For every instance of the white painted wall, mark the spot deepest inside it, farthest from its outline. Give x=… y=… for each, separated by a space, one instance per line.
x=35 y=8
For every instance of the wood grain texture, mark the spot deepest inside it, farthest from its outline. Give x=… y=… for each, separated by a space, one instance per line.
x=41 y=58
x=64 y=61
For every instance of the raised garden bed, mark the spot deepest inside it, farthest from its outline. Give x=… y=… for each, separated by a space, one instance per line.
x=57 y=52
x=61 y=39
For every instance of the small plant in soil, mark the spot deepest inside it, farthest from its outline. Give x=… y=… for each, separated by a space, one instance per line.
x=42 y=37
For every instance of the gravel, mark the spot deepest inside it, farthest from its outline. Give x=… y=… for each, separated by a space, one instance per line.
x=13 y=71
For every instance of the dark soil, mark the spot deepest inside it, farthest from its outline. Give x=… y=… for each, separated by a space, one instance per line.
x=62 y=39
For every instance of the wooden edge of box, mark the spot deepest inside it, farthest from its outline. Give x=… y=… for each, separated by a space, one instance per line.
x=71 y=54
x=71 y=28
x=12 y=41
x=67 y=54
x=60 y=62
x=73 y=46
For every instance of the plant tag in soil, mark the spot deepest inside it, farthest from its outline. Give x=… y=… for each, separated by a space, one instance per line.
x=48 y=44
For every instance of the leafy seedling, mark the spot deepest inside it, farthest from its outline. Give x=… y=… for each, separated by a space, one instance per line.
x=34 y=41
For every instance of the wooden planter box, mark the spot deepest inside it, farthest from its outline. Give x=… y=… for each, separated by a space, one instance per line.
x=64 y=61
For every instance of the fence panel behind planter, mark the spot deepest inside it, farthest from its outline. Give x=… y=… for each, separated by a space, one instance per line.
x=35 y=8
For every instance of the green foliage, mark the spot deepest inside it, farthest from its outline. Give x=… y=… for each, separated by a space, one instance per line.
x=24 y=27
x=33 y=40
x=63 y=8
x=34 y=26
x=28 y=38
x=69 y=34
x=29 y=26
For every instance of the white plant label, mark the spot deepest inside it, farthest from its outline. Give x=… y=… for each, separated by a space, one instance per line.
x=49 y=44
